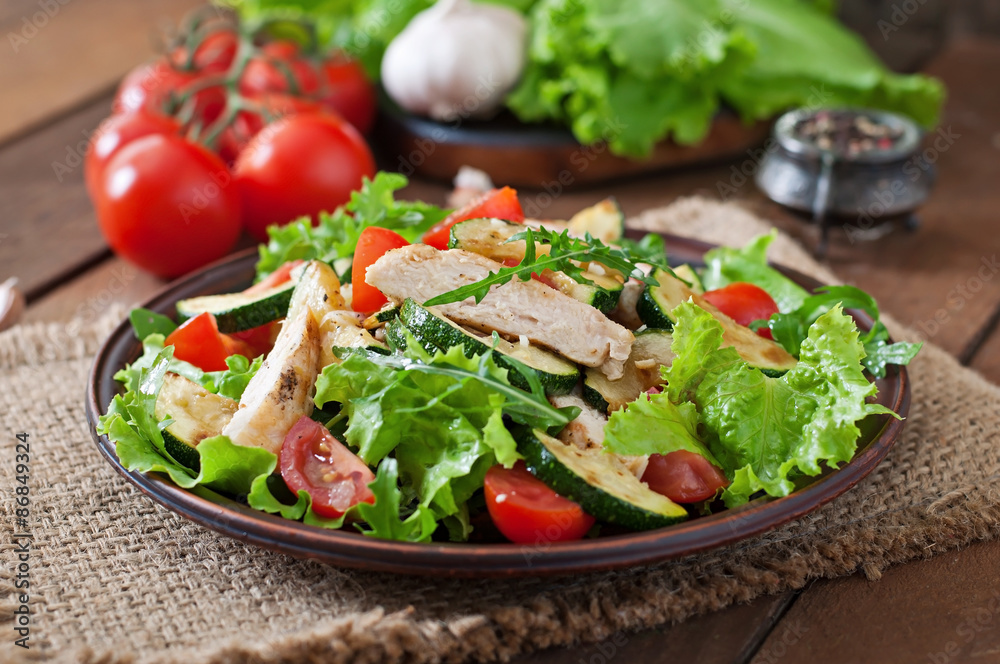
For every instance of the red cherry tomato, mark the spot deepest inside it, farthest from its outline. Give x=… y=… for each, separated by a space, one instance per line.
x=152 y=84
x=167 y=205
x=498 y=203
x=269 y=108
x=312 y=460
x=373 y=243
x=215 y=52
x=116 y=132
x=303 y=164
x=683 y=477
x=347 y=91
x=280 y=67
x=199 y=342
x=744 y=303
x=527 y=511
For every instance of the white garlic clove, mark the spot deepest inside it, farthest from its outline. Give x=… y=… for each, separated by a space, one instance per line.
x=11 y=303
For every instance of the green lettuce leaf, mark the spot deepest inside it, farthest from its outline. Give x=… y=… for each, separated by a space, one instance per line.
x=384 y=518
x=725 y=265
x=440 y=417
x=337 y=233
x=766 y=431
x=652 y=424
x=131 y=424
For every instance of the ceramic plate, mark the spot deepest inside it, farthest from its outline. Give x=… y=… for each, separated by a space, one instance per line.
x=350 y=549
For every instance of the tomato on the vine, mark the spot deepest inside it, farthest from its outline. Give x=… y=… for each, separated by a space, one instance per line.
x=683 y=476
x=302 y=165
x=280 y=67
x=499 y=203
x=373 y=243
x=527 y=511
x=213 y=54
x=744 y=303
x=312 y=460
x=152 y=85
x=199 y=342
x=118 y=131
x=346 y=90
x=167 y=204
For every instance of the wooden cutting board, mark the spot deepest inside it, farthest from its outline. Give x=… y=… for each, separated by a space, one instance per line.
x=536 y=155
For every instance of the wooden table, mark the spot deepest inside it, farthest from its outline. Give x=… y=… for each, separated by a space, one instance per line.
x=57 y=86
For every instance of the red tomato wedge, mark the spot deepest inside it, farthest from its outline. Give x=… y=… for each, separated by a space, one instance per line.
x=373 y=243
x=683 y=477
x=199 y=342
x=744 y=303
x=276 y=278
x=527 y=511
x=312 y=460
x=498 y=203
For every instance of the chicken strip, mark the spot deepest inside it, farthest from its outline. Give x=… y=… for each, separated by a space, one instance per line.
x=516 y=309
x=281 y=391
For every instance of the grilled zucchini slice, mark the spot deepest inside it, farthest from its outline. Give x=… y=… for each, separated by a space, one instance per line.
x=601 y=484
x=197 y=414
x=434 y=331
x=657 y=302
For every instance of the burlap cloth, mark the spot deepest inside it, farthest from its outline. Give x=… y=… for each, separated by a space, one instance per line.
x=115 y=577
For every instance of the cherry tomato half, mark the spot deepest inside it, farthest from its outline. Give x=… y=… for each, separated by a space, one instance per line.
x=744 y=303
x=303 y=164
x=347 y=91
x=498 y=203
x=373 y=243
x=199 y=342
x=167 y=205
x=527 y=511
x=683 y=477
x=116 y=132
x=312 y=460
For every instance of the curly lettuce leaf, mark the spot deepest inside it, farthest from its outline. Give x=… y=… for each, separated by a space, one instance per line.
x=132 y=425
x=725 y=265
x=796 y=45
x=766 y=431
x=337 y=233
x=384 y=518
x=652 y=424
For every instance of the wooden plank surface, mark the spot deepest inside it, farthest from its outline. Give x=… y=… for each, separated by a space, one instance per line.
x=60 y=54
x=944 y=610
x=724 y=637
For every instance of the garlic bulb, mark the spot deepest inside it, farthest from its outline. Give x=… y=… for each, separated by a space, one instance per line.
x=457 y=59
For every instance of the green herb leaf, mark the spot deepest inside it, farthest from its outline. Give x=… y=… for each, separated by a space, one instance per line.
x=563 y=250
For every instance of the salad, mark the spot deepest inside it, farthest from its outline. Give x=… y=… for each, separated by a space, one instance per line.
x=419 y=374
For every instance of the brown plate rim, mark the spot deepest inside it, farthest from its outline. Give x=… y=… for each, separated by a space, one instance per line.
x=348 y=549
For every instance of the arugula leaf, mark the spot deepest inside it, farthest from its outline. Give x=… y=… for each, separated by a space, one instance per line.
x=765 y=431
x=791 y=329
x=337 y=233
x=439 y=418
x=563 y=250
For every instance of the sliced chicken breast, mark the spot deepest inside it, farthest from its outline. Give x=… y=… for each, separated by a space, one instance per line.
x=281 y=391
x=516 y=309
